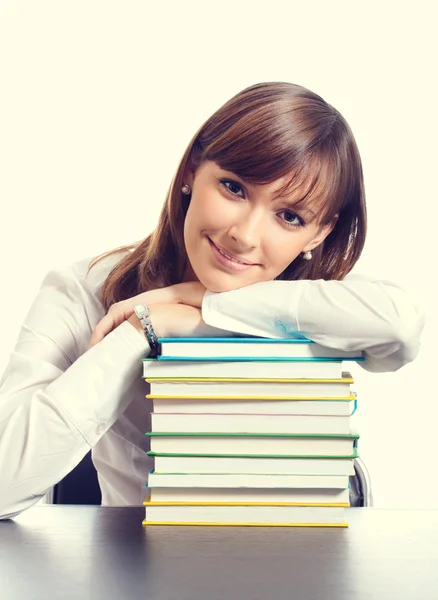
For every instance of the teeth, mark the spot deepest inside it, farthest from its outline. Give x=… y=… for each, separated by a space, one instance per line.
x=231 y=257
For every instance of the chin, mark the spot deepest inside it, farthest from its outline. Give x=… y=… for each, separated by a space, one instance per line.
x=217 y=283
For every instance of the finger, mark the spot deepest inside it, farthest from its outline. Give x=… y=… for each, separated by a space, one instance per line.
x=96 y=337
x=116 y=315
x=102 y=329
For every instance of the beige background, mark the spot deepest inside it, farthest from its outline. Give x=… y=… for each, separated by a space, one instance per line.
x=100 y=98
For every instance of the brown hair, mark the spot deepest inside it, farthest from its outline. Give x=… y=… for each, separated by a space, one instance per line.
x=265 y=132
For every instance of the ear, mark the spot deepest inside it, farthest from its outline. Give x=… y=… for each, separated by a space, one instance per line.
x=323 y=232
x=193 y=163
x=188 y=178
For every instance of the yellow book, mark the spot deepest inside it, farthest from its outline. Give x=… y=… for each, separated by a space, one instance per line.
x=239 y=514
x=205 y=387
x=346 y=378
x=208 y=524
x=348 y=398
x=148 y=502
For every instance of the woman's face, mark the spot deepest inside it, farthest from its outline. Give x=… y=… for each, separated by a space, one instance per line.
x=237 y=234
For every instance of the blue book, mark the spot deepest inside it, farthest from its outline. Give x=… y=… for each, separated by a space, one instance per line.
x=250 y=349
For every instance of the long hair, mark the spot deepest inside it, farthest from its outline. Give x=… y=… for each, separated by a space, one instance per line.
x=265 y=132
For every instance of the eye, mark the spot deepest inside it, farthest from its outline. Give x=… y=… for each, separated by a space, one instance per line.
x=291 y=219
x=231 y=186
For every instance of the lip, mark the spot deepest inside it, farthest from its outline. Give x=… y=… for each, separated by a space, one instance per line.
x=223 y=260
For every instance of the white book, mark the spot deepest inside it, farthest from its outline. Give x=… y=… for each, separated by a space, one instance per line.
x=294 y=388
x=235 y=423
x=246 y=480
x=233 y=515
x=249 y=348
x=298 y=496
x=266 y=406
x=238 y=464
x=254 y=445
x=327 y=369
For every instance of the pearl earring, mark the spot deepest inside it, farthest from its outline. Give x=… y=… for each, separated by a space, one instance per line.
x=186 y=189
x=307 y=255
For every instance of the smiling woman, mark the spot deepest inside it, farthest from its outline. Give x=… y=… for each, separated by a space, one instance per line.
x=276 y=142
x=263 y=222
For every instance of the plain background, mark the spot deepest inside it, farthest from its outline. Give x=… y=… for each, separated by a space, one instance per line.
x=100 y=98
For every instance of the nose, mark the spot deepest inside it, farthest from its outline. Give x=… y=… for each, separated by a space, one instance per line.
x=246 y=231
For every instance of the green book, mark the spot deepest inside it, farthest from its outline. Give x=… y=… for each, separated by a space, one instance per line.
x=260 y=445
x=275 y=464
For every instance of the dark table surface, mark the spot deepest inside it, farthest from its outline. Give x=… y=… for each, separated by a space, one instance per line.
x=83 y=552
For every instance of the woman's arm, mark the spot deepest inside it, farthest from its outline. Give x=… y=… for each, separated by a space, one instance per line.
x=378 y=317
x=54 y=404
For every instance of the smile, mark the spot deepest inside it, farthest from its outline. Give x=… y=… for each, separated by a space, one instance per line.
x=228 y=260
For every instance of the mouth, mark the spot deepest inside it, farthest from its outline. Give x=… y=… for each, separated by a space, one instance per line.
x=229 y=260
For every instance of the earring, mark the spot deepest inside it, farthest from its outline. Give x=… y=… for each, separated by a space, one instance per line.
x=307 y=255
x=186 y=189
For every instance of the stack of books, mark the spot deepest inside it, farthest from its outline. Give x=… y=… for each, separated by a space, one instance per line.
x=250 y=431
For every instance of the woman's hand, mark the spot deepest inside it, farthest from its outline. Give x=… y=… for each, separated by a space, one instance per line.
x=177 y=320
x=189 y=294
x=180 y=320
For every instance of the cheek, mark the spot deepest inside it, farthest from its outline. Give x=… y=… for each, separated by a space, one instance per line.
x=198 y=219
x=281 y=250
x=189 y=229
x=208 y=212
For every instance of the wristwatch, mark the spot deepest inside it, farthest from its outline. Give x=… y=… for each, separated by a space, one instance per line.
x=142 y=312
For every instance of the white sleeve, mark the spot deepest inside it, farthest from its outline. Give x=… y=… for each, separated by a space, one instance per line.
x=377 y=317
x=54 y=404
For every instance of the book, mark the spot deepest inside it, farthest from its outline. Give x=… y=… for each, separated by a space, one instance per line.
x=263 y=445
x=298 y=496
x=250 y=431
x=247 y=368
x=246 y=480
x=222 y=514
x=249 y=423
x=274 y=388
x=238 y=464
x=235 y=347
x=266 y=406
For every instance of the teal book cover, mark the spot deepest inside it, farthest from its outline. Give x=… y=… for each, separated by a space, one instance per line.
x=239 y=340
x=254 y=359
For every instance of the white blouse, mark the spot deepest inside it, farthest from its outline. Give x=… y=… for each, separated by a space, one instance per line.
x=58 y=398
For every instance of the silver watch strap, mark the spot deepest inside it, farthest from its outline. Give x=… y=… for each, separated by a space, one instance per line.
x=142 y=312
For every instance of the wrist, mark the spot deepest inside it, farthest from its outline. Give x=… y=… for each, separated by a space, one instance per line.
x=142 y=313
x=158 y=323
x=135 y=322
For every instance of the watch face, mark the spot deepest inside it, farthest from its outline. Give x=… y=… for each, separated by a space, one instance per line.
x=139 y=309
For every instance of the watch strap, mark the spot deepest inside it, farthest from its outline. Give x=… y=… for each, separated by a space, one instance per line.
x=142 y=312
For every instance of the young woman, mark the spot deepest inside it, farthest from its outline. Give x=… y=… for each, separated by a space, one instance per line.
x=263 y=221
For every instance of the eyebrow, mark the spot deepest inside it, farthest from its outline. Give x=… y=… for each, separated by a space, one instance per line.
x=289 y=203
